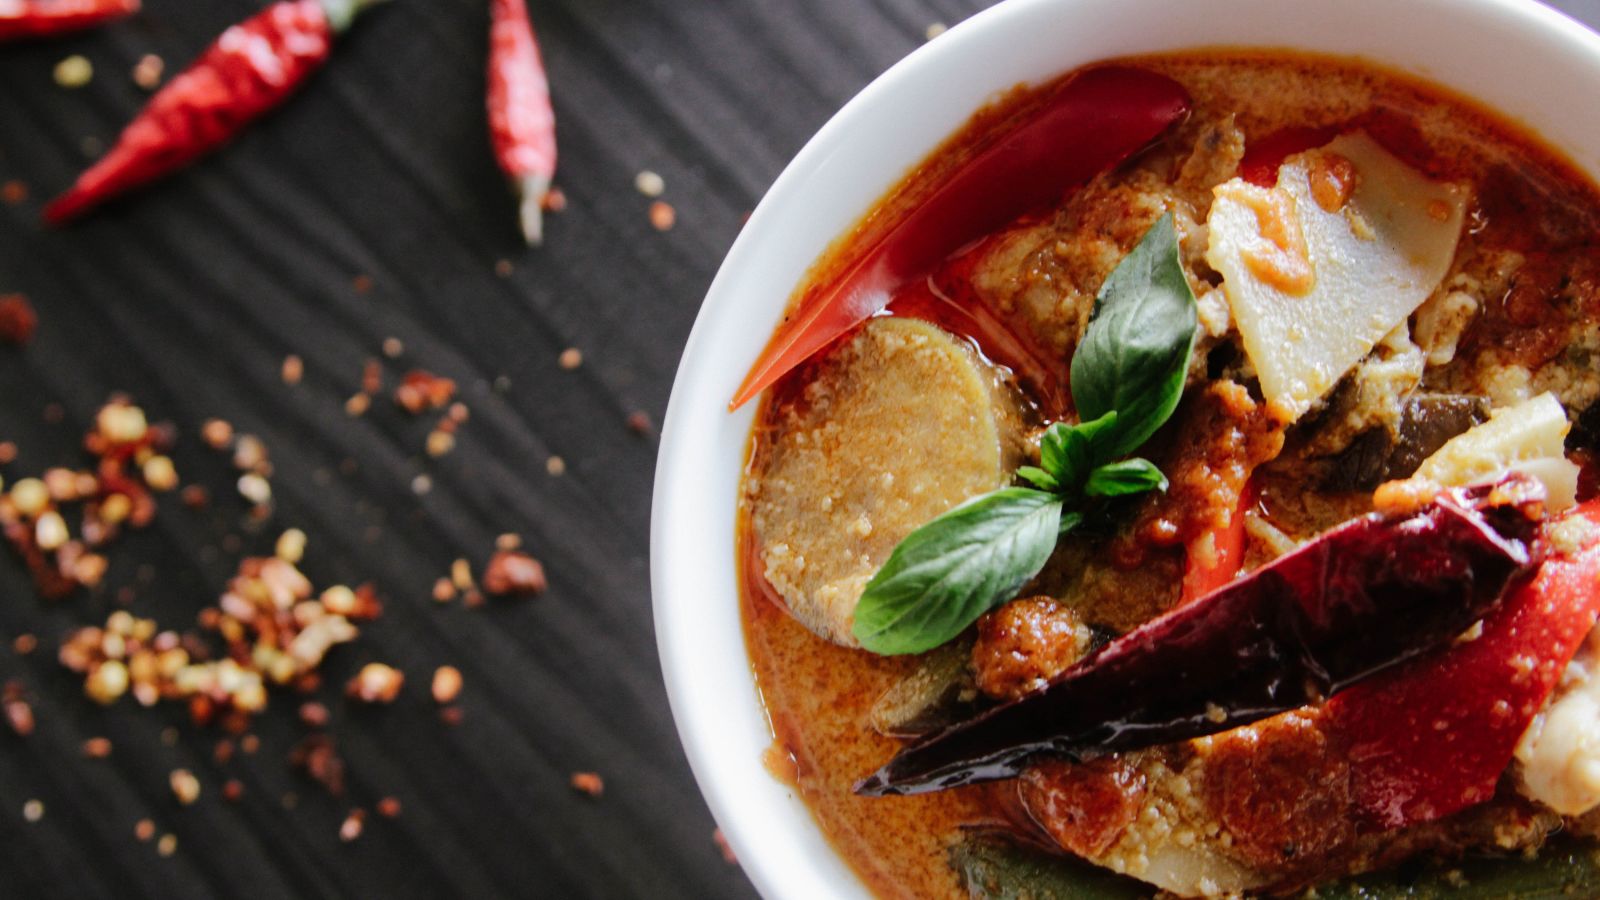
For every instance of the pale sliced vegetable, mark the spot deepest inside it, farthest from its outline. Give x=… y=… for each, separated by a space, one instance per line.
x=940 y=691
x=1529 y=437
x=1319 y=268
x=901 y=423
x=1560 y=753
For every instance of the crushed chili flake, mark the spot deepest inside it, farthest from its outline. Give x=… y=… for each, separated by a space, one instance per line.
x=513 y=572
x=144 y=830
x=392 y=347
x=502 y=268
x=555 y=465
x=185 y=786
x=18 y=712
x=450 y=715
x=440 y=443
x=588 y=783
x=14 y=192
x=350 y=828
x=361 y=284
x=168 y=844
x=294 y=369
x=726 y=849
x=446 y=684
x=195 y=496
x=357 y=405
x=18 y=321
x=639 y=423
x=148 y=70
x=8 y=452
x=314 y=715
x=555 y=200
x=316 y=757
x=33 y=810
x=372 y=377
x=662 y=216
x=233 y=790
x=443 y=591
x=571 y=358
x=23 y=644
x=222 y=751
x=422 y=390
x=389 y=807
x=508 y=541
x=376 y=683
x=217 y=434
x=249 y=744
x=97 y=748
x=461 y=574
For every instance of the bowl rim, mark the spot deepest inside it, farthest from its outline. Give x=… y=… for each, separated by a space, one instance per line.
x=684 y=558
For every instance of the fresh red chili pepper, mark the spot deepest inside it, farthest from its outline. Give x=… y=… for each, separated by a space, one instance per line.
x=1434 y=736
x=1204 y=572
x=1263 y=157
x=22 y=19
x=522 y=124
x=1356 y=601
x=250 y=70
x=1094 y=121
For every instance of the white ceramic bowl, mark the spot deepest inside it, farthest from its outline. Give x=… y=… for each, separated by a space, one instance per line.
x=1522 y=59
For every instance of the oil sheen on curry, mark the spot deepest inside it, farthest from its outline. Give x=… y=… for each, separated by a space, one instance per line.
x=1178 y=486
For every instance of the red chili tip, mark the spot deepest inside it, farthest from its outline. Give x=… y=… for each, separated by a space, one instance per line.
x=63 y=210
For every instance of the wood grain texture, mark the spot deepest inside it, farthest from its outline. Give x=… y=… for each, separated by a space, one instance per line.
x=188 y=296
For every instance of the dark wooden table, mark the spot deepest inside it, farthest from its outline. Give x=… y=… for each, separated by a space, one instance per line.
x=188 y=298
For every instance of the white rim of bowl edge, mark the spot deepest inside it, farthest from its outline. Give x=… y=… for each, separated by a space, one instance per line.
x=675 y=471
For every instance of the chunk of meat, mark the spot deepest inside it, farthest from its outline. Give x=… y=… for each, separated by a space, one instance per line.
x=1084 y=807
x=894 y=426
x=1024 y=644
x=1280 y=788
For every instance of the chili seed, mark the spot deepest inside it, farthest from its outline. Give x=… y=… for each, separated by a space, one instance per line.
x=392 y=347
x=144 y=830
x=649 y=184
x=446 y=684
x=570 y=358
x=168 y=844
x=440 y=443
x=217 y=434
x=13 y=192
x=555 y=465
x=721 y=840
x=389 y=807
x=147 y=71
x=74 y=72
x=97 y=748
x=443 y=591
x=588 y=783
x=185 y=786
x=376 y=683
x=294 y=369
x=18 y=321
x=350 y=829
x=935 y=29
x=33 y=810
x=513 y=572
x=662 y=216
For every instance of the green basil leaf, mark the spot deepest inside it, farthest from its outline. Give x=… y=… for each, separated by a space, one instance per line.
x=1130 y=476
x=1039 y=478
x=947 y=573
x=1135 y=353
x=993 y=868
x=1070 y=519
x=1067 y=451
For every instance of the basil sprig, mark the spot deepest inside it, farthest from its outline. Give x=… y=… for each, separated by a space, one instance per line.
x=1127 y=378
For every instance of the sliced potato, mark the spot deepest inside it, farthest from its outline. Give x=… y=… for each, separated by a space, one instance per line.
x=1528 y=437
x=898 y=425
x=1319 y=268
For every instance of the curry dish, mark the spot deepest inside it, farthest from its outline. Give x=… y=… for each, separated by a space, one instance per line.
x=1180 y=483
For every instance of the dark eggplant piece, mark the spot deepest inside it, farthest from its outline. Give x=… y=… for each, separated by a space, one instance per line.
x=993 y=867
x=1585 y=433
x=1355 y=601
x=1427 y=421
x=939 y=692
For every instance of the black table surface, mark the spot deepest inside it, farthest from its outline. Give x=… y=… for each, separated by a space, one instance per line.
x=188 y=297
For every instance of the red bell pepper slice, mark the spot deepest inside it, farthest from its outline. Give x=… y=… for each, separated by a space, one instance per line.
x=1094 y=121
x=1433 y=737
x=1203 y=575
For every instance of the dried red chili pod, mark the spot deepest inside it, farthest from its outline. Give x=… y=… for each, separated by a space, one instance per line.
x=1357 y=601
x=522 y=124
x=249 y=71
x=24 y=19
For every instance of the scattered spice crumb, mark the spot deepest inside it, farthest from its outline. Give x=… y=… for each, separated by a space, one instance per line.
x=555 y=200
x=74 y=72
x=461 y=574
x=649 y=184
x=392 y=347
x=503 y=268
x=314 y=714
x=23 y=644
x=33 y=810
x=555 y=465
x=361 y=284
x=217 y=434
x=144 y=830
x=97 y=748
x=147 y=71
x=376 y=683
x=422 y=390
x=513 y=572
x=389 y=807
x=357 y=405
x=294 y=369
x=443 y=591
x=588 y=783
x=350 y=829
x=254 y=488
x=662 y=216
x=639 y=423
x=18 y=321
x=14 y=192
x=508 y=541
x=233 y=790
x=440 y=442
x=8 y=452
x=935 y=29
x=222 y=752
x=185 y=786
x=291 y=546
x=18 y=712
x=421 y=484
x=168 y=844
x=570 y=358
x=195 y=496
x=446 y=684
x=721 y=841
x=316 y=757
